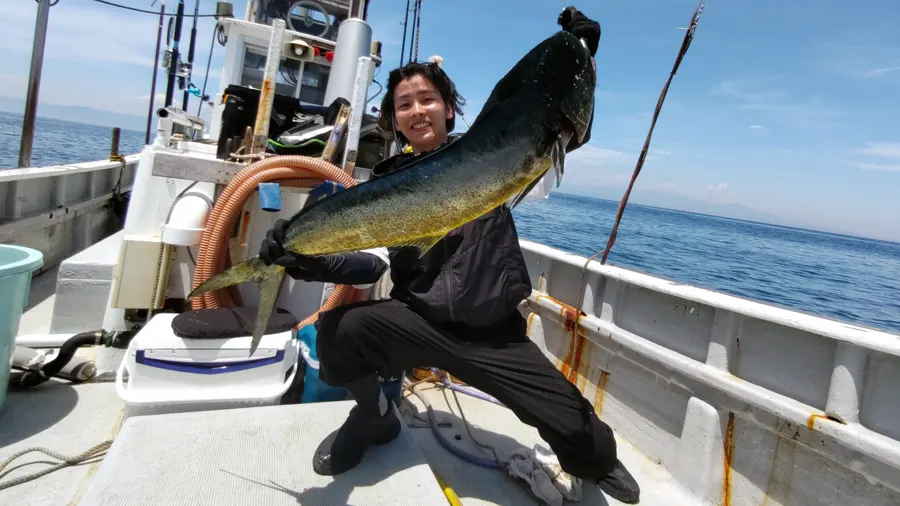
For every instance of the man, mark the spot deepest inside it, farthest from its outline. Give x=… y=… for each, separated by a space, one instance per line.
x=454 y=309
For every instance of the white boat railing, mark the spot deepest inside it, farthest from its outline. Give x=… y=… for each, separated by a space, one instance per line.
x=61 y=209
x=735 y=398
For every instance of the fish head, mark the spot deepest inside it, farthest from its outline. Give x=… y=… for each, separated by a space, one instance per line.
x=566 y=77
x=551 y=90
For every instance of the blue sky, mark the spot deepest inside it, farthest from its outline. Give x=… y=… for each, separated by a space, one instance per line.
x=785 y=108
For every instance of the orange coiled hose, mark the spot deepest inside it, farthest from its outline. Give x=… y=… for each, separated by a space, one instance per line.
x=291 y=170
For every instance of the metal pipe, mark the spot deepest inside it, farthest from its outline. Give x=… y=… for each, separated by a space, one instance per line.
x=173 y=63
x=162 y=15
x=267 y=91
x=34 y=82
x=186 y=81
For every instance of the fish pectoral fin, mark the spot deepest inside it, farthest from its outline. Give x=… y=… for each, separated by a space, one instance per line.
x=423 y=243
x=269 y=278
x=558 y=158
x=269 y=285
x=521 y=195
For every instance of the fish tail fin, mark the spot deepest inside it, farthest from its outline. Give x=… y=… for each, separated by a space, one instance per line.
x=248 y=270
x=269 y=278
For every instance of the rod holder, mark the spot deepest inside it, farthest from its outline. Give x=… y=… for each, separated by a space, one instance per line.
x=114 y=145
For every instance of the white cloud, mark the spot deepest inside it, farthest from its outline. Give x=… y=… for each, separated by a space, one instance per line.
x=756 y=127
x=591 y=165
x=765 y=94
x=884 y=152
x=754 y=93
x=882 y=149
x=880 y=167
x=862 y=60
x=719 y=189
x=591 y=155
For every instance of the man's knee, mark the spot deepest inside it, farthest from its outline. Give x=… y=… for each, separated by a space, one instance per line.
x=345 y=327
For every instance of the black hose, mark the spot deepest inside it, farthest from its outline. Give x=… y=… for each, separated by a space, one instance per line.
x=32 y=378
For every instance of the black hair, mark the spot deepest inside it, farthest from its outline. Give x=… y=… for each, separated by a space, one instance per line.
x=436 y=76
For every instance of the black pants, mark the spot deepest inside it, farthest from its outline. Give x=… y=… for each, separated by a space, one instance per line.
x=385 y=336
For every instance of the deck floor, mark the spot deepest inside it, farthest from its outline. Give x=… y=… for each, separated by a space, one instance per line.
x=72 y=419
x=498 y=427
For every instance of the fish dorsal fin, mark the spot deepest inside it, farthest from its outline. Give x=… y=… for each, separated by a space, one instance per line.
x=503 y=90
x=423 y=243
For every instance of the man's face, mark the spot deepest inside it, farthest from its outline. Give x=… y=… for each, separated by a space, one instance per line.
x=420 y=113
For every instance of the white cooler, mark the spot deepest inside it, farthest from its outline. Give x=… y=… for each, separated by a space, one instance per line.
x=164 y=373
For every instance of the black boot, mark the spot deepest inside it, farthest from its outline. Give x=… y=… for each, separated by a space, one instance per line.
x=620 y=485
x=343 y=449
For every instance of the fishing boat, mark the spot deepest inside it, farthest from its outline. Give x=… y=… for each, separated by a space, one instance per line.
x=714 y=399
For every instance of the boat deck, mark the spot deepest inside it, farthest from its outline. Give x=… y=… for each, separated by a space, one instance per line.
x=264 y=455
x=261 y=454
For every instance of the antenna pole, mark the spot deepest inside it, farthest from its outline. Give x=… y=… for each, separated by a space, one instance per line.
x=34 y=82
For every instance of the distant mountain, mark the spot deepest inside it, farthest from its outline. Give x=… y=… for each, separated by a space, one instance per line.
x=681 y=203
x=80 y=114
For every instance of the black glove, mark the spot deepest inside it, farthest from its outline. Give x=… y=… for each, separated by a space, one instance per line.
x=297 y=266
x=576 y=23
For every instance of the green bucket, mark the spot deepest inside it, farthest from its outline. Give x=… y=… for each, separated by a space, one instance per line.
x=16 y=267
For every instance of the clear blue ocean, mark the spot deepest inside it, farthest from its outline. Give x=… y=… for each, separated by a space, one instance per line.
x=847 y=278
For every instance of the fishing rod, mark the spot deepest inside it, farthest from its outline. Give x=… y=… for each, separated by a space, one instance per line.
x=162 y=15
x=185 y=82
x=405 y=22
x=412 y=33
x=173 y=59
x=688 y=37
x=418 y=26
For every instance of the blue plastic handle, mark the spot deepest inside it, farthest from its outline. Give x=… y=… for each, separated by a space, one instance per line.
x=326 y=188
x=270 y=197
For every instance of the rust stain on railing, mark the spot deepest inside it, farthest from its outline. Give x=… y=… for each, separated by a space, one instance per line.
x=729 y=455
x=601 y=392
x=574 y=366
x=811 y=421
x=570 y=317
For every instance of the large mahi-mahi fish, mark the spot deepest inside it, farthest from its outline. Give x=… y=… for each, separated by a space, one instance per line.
x=521 y=132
